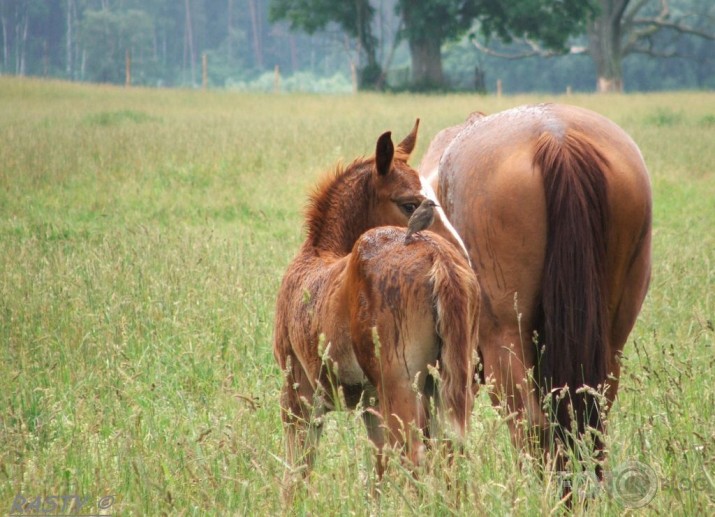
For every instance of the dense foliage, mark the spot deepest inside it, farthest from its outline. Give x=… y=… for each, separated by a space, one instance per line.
x=378 y=41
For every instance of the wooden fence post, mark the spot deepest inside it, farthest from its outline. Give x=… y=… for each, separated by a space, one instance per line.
x=276 y=79
x=127 y=68
x=353 y=76
x=204 y=71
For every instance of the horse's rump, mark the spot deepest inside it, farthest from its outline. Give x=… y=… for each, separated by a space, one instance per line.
x=553 y=203
x=422 y=299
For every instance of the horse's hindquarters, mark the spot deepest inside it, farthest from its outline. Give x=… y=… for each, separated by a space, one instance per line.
x=391 y=313
x=414 y=306
x=493 y=186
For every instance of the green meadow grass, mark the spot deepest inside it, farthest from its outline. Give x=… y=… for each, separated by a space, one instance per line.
x=143 y=236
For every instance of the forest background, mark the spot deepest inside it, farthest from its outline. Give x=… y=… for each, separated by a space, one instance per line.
x=326 y=46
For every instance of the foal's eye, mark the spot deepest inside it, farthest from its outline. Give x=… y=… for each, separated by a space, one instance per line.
x=409 y=208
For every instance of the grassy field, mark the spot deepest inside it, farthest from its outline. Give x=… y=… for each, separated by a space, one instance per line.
x=143 y=236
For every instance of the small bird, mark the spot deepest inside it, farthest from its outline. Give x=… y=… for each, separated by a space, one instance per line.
x=421 y=219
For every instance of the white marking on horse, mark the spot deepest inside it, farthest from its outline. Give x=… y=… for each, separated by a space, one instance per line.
x=428 y=192
x=431 y=177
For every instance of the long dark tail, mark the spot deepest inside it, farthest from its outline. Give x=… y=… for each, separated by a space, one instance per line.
x=456 y=294
x=574 y=327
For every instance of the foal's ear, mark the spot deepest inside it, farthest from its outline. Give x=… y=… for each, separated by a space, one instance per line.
x=384 y=153
x=408 y=144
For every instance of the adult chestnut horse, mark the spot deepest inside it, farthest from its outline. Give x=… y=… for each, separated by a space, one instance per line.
x=553 y=203
x=363 y=315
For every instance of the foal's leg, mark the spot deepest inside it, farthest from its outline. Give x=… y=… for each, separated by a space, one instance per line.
x=403 y=413
x=376 y=434
x=301 y=413
x=376 y=431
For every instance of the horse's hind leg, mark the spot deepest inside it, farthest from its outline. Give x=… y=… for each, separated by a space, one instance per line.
x=508 y=362
x=632 y=293
x=404 y=415
x=301 y=413
x=399 y=423
x=376 y=434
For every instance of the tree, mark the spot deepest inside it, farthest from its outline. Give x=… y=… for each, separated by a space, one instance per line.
x=429 y=23
x=107 y=35
x=619 y=28
x=624 y=27
x=19 y=48
x=354 y=18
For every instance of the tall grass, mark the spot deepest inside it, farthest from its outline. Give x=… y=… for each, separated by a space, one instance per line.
x=143 y=235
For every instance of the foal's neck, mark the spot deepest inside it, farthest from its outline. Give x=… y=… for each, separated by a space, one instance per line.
x=340 y=212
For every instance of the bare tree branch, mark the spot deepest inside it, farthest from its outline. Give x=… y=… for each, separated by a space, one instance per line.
x=491 y=52
x=535 y=50
x=619 y=8
x=650 y=49
x=639 y=29
x=634 y=36
x=654 y=53
x=657 y=24
x=627 y=20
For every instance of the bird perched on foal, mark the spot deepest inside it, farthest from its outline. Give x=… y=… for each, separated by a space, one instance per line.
x=421 y=219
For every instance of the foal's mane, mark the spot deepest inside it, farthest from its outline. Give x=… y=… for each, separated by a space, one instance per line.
x=327 y=195
x=338 y=208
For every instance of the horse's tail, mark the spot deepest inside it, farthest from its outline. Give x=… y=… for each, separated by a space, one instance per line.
x=573 y=326
x=455 y=293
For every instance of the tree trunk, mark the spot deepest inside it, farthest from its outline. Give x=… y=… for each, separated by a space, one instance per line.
x=371 y=72
x=15 y=40
x=189 y=41
x=604 y=45
x=155 y=44
x=426 y=63
x=45 y=59
x=293 y=53
x=4 y=43
x=69 y=40
x=23 y=49
x=256 y=26
x=229 y=28
x=79 y=54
